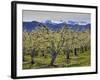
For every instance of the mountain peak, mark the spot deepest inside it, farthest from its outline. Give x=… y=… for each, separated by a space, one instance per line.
x=53 y=21
x=56 y=25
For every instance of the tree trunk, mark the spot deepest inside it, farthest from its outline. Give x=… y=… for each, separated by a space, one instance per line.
x=82 y=50
x=75 y=51
x=32 y=56
x=32 y=60
x=23 y=57
x=42 y=51
x=54 y=55
x=86 y=48
x=68 y=56
x=23 y=53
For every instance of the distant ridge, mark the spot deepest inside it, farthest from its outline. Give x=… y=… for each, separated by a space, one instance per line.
x=55 y=25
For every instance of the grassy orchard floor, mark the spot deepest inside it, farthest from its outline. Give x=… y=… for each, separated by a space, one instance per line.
x=83 y=59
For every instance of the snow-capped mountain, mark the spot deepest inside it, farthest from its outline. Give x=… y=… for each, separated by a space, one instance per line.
x=55 y=25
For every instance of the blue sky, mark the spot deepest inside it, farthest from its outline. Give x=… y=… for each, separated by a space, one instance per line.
x=31 y=15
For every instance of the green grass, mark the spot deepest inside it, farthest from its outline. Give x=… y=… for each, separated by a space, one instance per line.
x=83 y=59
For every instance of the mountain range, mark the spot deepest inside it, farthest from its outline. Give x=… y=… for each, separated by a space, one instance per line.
x=55 y=25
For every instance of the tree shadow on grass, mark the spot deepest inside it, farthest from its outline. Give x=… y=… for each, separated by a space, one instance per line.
x=38 y=65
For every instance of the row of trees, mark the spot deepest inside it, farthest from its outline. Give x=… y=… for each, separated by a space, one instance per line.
x=42 y=41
